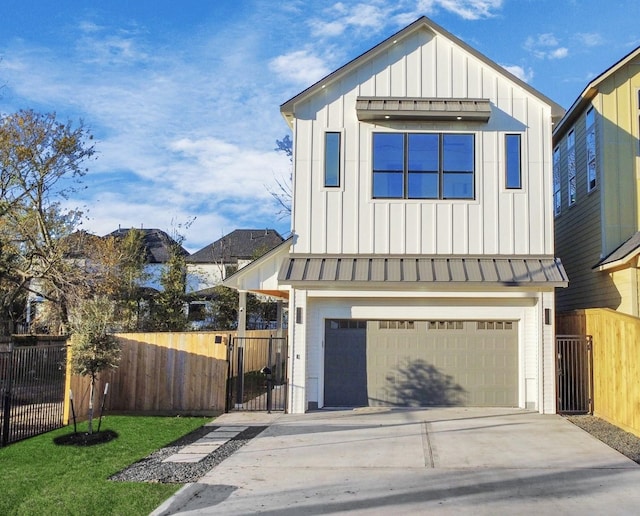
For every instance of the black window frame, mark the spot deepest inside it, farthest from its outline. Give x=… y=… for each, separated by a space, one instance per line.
x=332 y=161
x=443 y=171
x=509 y=137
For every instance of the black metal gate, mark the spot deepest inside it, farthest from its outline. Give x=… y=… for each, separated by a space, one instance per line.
x=257 y=379
x=32 y=388
x=574 y=356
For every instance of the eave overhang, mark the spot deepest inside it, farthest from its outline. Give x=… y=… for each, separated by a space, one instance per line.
x=626 y=255
x=371 y=109
x=260 y=276
x=588 y=94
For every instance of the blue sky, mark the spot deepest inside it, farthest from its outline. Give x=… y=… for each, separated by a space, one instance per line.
x=183 y=97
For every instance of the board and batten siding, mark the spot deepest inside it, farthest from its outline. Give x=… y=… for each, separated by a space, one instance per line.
x=347 y=220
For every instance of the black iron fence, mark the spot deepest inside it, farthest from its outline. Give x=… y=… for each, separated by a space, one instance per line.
x=32 y=389
x=257 y=378
x=574 y=357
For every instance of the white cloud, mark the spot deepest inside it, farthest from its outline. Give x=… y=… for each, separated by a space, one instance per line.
x=525 y=75
x=545 y=46
x=589 y=39
x=466 y=9
x=558 y=53
x=300 y=67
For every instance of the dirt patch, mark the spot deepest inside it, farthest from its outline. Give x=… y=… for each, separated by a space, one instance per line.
x=86 y=439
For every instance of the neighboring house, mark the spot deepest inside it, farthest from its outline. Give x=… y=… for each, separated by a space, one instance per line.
x=207 y=267
x=157 y=248
x=213 y=263
x=596 y=170
x=421 y=266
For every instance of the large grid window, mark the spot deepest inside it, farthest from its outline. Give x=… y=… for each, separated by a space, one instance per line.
x=590 y=122
x=557 y=197
x=423 y=166
x=571 y=168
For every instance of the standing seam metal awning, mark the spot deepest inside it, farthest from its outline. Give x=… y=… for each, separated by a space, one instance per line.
x=502 y=271
x=437 y=109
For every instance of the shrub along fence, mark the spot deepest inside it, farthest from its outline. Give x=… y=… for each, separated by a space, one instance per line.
x=162 y=373
x=616 y=362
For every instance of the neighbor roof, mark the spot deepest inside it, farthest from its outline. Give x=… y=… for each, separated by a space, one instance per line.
x=239 y=244
x=587 y=95
x=423 y=270
x=157 y=244
x=287 y=109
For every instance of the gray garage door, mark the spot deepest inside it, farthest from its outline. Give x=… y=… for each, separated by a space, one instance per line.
x=421 y=363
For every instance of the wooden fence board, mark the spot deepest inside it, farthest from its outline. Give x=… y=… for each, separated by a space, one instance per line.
x=168 y=373
x=616 y=362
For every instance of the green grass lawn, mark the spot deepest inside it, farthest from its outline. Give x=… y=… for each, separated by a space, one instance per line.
x=38 y=477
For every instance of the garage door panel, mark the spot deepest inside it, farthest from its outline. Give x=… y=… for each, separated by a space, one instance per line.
x=436 y=363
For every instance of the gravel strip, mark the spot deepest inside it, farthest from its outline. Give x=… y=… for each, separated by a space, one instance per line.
x=152 y=469
x=614 y=437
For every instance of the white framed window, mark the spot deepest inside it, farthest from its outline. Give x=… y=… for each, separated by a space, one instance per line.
x=557 y=197
x=332 y=158
x=590 y=122
x=513 y=161
x=571 y=168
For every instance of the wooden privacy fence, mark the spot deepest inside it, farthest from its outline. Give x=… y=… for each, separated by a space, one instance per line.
x=616 y=362
x=163 y=373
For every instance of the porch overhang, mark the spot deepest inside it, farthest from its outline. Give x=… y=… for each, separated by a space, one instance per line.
x=261 y=275
x=626 y=255
x=422 y=272
x=371 y=109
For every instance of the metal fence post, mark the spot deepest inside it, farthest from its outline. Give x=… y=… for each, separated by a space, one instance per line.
x=6 y=416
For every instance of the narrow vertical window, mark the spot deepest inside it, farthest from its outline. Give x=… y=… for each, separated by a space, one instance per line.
x=332 y=159
x=571 y=168
x=513 y=162
x=591 y=149
x=557 y=198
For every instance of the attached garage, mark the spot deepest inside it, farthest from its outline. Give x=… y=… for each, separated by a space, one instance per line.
x=420 y=363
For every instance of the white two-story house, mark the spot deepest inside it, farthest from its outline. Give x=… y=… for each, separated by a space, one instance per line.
x=421 y=267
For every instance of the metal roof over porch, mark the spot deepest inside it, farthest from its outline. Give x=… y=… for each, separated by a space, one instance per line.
x=422 y=271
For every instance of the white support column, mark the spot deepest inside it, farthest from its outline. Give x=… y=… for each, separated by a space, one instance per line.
x=298 y=318
x=242 y=313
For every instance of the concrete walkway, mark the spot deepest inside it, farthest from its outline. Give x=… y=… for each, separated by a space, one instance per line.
x=440 y=461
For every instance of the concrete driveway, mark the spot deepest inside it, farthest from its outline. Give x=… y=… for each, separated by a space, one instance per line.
x=440 y=461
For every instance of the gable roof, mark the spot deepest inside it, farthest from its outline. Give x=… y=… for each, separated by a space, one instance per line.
x=287 y=109
x=239 y=244
x=157 y=244
x=590 y=91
